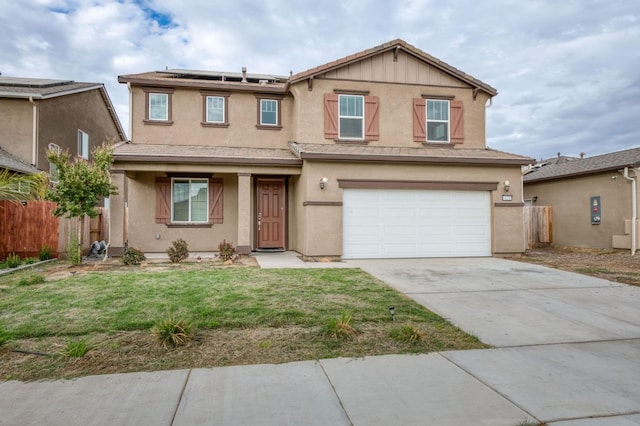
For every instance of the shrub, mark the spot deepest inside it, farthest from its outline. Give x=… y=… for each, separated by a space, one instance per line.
x=133 y=256
x=32 y=280
x=76 y=349
x=340 y=328
x=45 y=253
x=179 y=251
x=226 y=251
x=407 y=334
x=73 y=254
x=13 y=260
x=172 y=332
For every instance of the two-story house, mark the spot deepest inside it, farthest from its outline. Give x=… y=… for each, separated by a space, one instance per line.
x=37 y=114
x=381 y=154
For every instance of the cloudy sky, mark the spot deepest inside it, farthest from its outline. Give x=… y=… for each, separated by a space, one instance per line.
x=567 y=72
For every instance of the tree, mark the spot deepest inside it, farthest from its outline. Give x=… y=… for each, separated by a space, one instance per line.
x=81 y=184
x=17 y=187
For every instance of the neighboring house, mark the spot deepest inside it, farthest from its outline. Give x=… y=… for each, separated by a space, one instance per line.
x=37 y=114
x=592 y=199
x=379 y=154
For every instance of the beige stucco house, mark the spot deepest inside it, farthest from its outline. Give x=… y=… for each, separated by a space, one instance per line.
x=38 y=114
x=593 y=199
x=381 y=154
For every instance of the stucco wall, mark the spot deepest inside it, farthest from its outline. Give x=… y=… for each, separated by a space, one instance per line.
x=16 y=122
x=570 y=199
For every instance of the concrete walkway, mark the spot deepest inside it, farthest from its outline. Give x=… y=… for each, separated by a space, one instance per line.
x=567 y=353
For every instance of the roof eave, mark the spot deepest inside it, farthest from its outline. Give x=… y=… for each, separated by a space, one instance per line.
x=230 y=86
x=206 y=160
x=406 y=159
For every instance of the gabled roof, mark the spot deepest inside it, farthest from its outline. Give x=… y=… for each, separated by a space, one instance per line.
x=8 y=161
x=585 y=166
x=439 y=155
x=392 y=45
x=42 y=89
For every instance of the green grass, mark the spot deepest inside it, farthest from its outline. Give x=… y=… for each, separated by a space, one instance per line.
x=235 y=297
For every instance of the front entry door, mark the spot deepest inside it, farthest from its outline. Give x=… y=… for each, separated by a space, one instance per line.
x=271 y=213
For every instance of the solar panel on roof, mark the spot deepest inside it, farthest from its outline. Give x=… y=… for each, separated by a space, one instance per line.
x=41 y=83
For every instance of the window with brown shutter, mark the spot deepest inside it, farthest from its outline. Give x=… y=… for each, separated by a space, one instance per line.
x=163 y=200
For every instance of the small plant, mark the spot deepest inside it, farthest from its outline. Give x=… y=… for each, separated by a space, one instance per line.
x=13 y=260
x=45 y=253
x=133 y=256
x=76 y=349
x=179 y=251
x=407 y=333
x=340 y=328
x=172 y=332
x=73 y=254
x=30 y=260
x=226 y=251
x=4 y=336
x=31 y=280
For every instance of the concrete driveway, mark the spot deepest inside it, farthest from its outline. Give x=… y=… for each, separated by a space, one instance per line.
x=567 y=345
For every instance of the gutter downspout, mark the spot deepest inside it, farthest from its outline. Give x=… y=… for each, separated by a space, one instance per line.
x=130 y=111
x=34 y=149
x=634 y=210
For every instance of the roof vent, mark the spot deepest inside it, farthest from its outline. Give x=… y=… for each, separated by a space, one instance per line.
x=263 y=82
x=244 y=74
x=582 y=154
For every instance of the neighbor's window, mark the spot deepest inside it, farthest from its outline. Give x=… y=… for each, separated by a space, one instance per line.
x=351 y=117
x=437 y=121
x=189 y=200
x=54 y=173
x=215 y=109
x=268 y=112
x=83 y=144
x=158 y=106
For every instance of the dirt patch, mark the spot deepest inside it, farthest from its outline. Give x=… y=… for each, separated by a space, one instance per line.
x=613 y=265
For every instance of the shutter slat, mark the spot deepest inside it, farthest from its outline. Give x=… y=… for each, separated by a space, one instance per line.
x=457 y=125
x=163 y=200
x=371 y=107
x=331 y=116
x=216 y=187
x=419 y=120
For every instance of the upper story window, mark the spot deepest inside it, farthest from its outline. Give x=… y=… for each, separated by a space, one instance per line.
x=351 y=117
x=215 y=109
x=269 y=112
x=83 y=144
x=189 y=200
x=437 y=120
x=158 y=106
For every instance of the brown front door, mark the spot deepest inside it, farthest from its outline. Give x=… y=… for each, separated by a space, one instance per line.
x=271 y=212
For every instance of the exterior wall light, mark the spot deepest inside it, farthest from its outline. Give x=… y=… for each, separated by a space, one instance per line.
x=506 y=186
x=323 y=182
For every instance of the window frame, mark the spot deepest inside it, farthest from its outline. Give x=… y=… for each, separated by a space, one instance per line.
x=54 y=172
x=148 y=93
x=263 y=103
x=83 y=144
x=205 y=108
x=447 y=121
x=278 y=102
x=351 y=117
x=190 y=220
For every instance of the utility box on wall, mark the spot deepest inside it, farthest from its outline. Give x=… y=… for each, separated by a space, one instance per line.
x=596 y=210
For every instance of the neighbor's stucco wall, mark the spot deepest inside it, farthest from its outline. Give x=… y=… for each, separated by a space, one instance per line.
x=16 y=122
x=187 y=114
x=570 y=200
x=395 y=111
x=320 y=226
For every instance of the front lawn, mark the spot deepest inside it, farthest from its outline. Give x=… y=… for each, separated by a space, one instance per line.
x=241 y=315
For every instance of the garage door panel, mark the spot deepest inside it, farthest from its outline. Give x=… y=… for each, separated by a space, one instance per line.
x=416 y=223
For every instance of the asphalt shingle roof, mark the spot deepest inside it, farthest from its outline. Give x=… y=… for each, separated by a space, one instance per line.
x=585 y=166
x=8 y=161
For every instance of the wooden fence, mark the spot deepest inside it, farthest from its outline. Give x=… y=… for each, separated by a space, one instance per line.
x=25 y=229
x=538 y=226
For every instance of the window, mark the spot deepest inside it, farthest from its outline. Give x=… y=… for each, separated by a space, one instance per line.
x=184 y=201
x=215 y=109
x=437 y=121
x=158 y=106
x=54 y=173
x=268 y=112
x=189 y=200
x=351 y=117
x=83 y=144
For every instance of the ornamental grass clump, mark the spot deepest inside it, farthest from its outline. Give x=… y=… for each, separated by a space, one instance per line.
x=340 y=328
x=172 y=332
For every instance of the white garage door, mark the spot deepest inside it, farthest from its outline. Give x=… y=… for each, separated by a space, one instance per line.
x=396 y=223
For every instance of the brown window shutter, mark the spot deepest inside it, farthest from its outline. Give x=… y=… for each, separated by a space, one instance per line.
x=331 y=116
x=216 y=187
x=371 y=107
x=419 y=120
x=457 y=125
x=163 y=200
